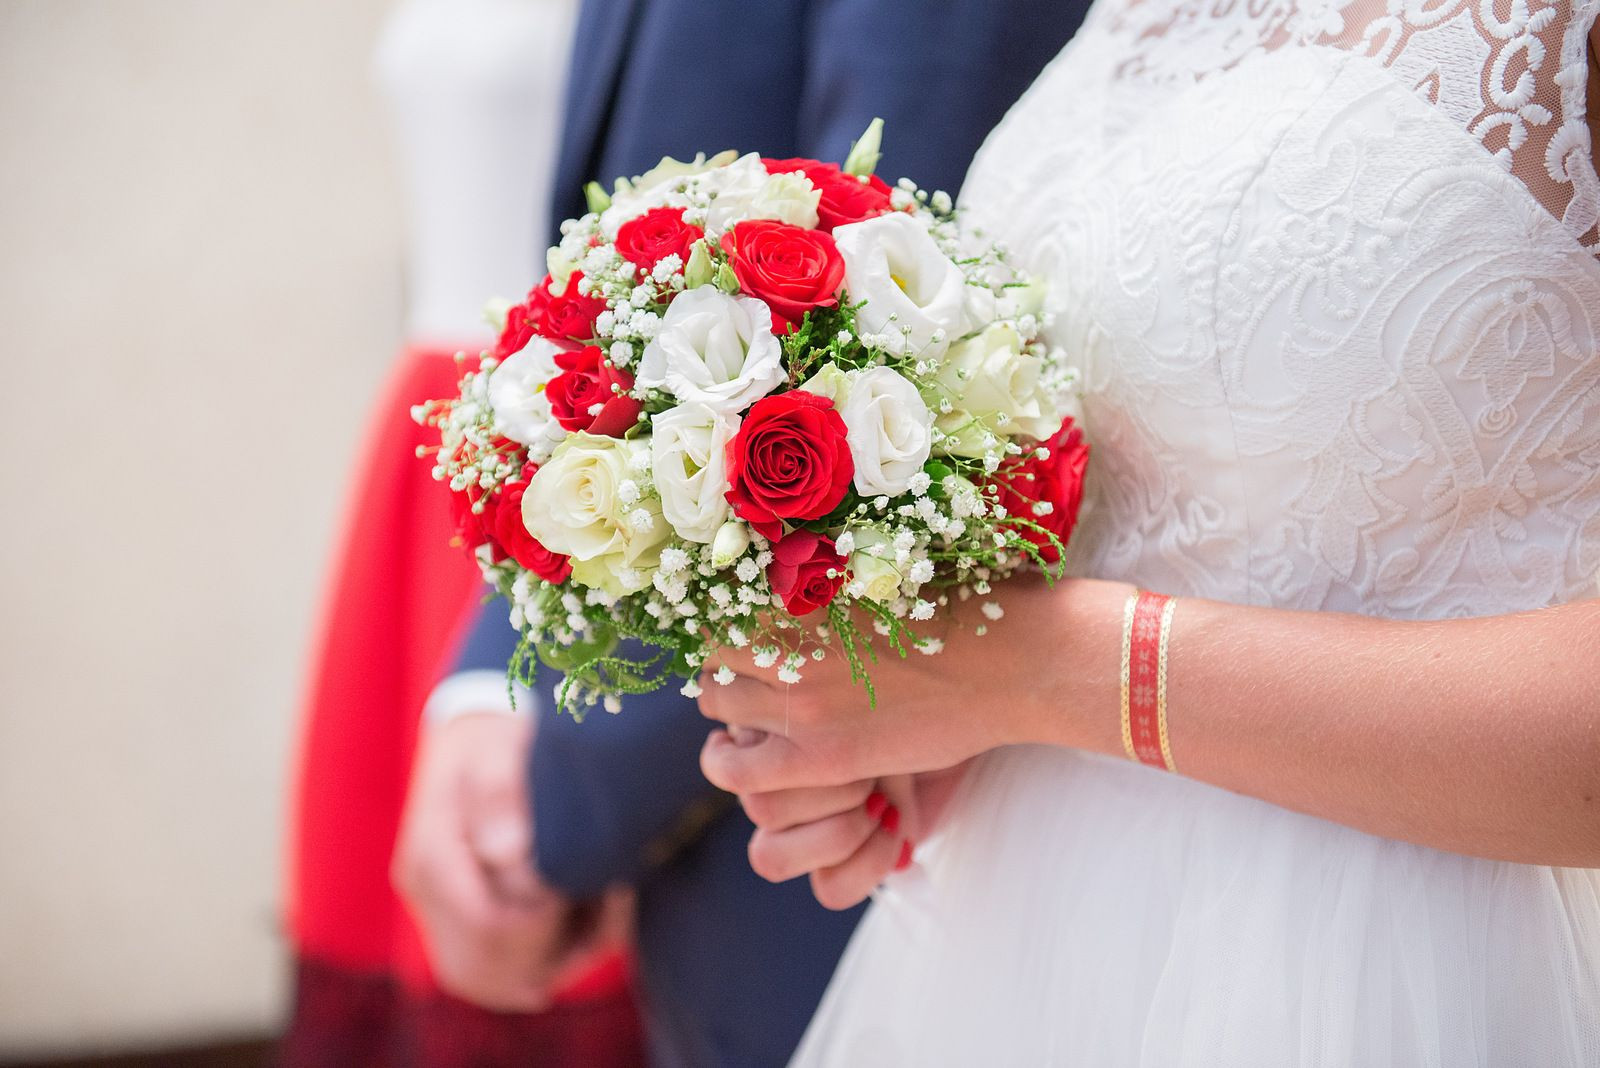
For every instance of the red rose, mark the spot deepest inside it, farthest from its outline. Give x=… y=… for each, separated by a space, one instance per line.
x=789 y=460
x=585 y=395
x=1057 y=481
x=518 y=331
x=655 y=235
x=792 y=164
x=799 y=571
x=569 y=316
x=845 y=197
x=513 y=537
x=471 y=529
x=792 y=269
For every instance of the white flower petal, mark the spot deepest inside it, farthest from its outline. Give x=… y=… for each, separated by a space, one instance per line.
x=714 y=349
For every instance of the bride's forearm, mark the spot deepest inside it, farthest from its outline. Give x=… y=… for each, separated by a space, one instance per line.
x=1477 y=736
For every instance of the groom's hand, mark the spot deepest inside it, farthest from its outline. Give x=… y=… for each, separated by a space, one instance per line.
x=497 y=935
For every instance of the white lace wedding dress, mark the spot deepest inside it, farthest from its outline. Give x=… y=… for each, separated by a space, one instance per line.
x=1331 y=276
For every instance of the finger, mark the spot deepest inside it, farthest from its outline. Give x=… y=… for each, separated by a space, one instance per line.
x=436 y=869
x=510 y=954
x=742 y=661
x=778 y=856
x=508 y=967
x=746 y=702
x=903 y=814
x=847 y=884
x=782 y=809
x=504 y=851
x=743 y=736
x=481 y=950
x=499 y=830
x=934 y=791
x=774 y=763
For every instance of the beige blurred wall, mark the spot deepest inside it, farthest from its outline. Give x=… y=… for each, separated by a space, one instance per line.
x=198 y=295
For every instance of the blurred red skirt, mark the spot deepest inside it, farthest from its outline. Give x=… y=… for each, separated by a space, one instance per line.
x=398 y=599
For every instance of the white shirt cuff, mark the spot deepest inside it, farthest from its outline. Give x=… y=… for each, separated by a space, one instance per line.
x=475 y=691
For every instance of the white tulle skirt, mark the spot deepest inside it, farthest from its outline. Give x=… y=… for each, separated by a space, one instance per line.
x=1085 y=911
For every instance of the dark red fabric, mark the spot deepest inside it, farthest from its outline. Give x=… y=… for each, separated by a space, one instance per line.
x=347 y=1019
x=398 y=596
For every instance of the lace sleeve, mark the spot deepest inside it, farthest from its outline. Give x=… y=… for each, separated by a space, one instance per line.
x=1514 y=74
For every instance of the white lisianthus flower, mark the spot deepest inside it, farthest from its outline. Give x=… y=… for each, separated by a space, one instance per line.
x=688 y=449
x=1010 y=298
x=516 y=394
x=887 y=425
x=893 y=265
x=574 y=505
x=714 y=349
x=982 y=306
x=654 y=188
x=994 y=387
x=788 y=198
x=872 y=569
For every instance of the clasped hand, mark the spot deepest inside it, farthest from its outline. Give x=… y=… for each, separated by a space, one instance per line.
x=811 y=760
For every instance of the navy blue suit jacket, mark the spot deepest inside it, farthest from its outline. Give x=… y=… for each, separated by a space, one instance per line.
x=732 y=967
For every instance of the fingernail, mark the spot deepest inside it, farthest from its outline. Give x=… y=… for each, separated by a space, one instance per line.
x=891 y=819
x=906 y=849
x=875 y=804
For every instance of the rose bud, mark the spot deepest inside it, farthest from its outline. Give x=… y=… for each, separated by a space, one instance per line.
x=805 y=571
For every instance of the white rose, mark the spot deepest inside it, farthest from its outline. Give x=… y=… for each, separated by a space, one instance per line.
x=714 y=349
x=893 y=265
x=516 y=395
x=572 y=505
x=733 y=191
x=887 y=424
x=688 y=449
x=872 y=565
x=656 y=188
x=789 y=198
x=994 y=386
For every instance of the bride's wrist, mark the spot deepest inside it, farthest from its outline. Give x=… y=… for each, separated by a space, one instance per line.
x=1075 y=677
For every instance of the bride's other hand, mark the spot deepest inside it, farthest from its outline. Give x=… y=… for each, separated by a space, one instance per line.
x=849 y=838
x=981 y=691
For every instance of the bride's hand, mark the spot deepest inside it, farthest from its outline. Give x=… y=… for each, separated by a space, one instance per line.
x=1017 y=683
x=846 y=838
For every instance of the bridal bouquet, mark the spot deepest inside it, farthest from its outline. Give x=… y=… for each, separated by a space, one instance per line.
x=757 y=402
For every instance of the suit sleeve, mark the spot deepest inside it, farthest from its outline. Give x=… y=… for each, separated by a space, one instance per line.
x=490 y=642
x=615 y=795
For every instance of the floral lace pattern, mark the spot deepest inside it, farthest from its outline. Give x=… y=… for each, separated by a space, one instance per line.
x=1512 y=73
x=1335 y=355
